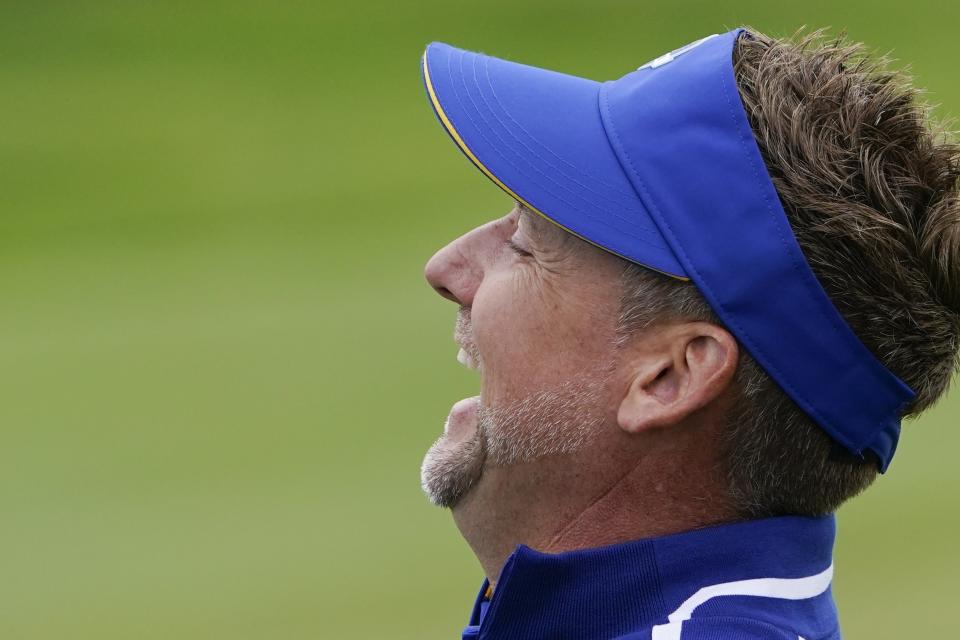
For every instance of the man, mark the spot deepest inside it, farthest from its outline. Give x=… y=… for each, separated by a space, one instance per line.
x=727 y=276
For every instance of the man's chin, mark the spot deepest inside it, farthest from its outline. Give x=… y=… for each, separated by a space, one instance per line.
x=451 y=470
x=454 y=463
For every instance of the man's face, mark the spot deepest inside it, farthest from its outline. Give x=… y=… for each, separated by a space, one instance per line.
x=537 y=318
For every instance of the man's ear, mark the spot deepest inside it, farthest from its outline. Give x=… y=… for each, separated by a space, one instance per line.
x=681 y=369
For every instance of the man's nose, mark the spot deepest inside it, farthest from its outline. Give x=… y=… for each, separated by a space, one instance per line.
x=453 y=273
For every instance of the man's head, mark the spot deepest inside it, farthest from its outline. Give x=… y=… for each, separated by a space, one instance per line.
x=594 y=363
x=538 y=320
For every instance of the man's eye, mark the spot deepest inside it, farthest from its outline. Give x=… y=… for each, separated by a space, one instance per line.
x=517 y=249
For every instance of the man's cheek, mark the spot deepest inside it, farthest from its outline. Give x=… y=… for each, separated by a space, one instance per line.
x=515 y=371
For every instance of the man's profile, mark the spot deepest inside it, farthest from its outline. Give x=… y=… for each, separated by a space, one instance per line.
x=728 y=275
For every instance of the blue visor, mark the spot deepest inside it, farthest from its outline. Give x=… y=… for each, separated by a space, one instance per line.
x=661 y=168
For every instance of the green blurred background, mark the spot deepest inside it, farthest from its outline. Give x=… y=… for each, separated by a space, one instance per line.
x=221 y=365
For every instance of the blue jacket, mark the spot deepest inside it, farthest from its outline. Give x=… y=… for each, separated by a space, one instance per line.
x=757 y=580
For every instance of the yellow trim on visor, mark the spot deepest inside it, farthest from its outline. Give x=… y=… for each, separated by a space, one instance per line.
x=466 y=150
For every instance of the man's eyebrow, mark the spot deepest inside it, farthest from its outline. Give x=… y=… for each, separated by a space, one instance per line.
x=544 y=233
x=533 y=218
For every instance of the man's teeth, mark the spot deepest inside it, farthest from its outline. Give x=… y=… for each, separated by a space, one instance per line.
x=464 y=358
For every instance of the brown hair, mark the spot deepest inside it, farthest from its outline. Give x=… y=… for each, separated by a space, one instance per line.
x=870 y=187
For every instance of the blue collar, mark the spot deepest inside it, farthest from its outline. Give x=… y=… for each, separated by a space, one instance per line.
x=773 y=572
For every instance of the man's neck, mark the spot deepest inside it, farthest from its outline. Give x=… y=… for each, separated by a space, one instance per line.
x=557 y=509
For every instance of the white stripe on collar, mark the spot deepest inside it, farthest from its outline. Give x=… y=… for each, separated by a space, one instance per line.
x=785 y=588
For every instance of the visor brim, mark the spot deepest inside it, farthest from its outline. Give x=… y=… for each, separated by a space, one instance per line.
x=538 y=135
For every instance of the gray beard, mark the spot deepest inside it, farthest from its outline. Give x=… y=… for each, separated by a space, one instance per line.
x=450 y=470
x=546 y=423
